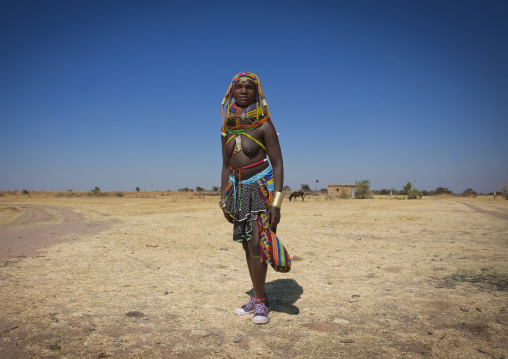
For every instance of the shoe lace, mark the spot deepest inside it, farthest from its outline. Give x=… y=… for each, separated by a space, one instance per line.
x=261 y=309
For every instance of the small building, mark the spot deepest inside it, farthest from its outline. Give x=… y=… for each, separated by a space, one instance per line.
x=335 y=190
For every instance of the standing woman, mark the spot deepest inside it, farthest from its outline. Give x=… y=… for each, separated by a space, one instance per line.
x=251 y=187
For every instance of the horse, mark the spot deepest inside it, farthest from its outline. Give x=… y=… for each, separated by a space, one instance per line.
x=297 y=194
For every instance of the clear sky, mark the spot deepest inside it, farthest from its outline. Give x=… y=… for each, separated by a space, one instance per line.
x=126 y=94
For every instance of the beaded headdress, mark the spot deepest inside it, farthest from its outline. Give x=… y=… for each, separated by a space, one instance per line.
x=261 y=107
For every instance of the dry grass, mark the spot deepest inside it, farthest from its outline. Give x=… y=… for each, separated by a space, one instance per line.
x=403 y=279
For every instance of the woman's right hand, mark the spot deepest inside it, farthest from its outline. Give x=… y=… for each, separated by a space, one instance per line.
x=228 y=217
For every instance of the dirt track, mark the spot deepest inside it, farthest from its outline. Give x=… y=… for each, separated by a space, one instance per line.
x=42 y=227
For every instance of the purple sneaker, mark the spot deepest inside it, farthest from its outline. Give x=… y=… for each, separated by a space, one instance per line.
x=249 y=307
x=246 y=308
x=260 y=313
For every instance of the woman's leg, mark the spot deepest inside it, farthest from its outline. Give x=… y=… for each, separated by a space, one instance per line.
x=257 y=269
x=247 y=258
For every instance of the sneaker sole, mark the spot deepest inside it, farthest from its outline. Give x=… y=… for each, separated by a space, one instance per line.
x=260 y=320
x=240 y=311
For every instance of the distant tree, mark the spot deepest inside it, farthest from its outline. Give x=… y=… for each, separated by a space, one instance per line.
x=384 y=192
x=286 y=188
x=200 y=189
x=442 y=190
x=469 y=193
x=185 y=189
x=137 y=189
x=412 y=193
x=503 y=187
x=96 y=190
x=362 y=190
x=305 y=188
x=215 y=189
x=344 y=194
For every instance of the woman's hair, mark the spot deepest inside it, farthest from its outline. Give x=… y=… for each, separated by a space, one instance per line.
x=260 y=96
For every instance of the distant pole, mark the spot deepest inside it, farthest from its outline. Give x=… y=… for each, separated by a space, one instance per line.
x=316 y=183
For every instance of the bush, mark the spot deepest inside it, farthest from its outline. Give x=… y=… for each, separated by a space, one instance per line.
x=305 y=188
x=119 y=194
x=503 y=187
x=469 y=193
x=442 y=190
x=362 y=190
x=412 y=193
x=344 y=195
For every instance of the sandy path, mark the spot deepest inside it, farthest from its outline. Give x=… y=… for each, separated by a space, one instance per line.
x=29 y=235
x=492 y=213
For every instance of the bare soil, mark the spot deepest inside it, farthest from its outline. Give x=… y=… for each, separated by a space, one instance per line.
x=158 y=277
x=29 y=228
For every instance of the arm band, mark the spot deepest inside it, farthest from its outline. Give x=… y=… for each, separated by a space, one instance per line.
x=277 y=199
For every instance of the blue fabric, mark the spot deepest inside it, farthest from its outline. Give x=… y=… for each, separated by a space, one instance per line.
x=254 y=178
x=268 y=171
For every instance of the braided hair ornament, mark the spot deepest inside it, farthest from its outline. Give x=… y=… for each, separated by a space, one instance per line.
x=255 y=111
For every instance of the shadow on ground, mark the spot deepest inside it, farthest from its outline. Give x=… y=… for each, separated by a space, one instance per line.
x=282 y=293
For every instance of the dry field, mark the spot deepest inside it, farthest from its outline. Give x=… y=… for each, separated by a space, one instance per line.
x=381 y=278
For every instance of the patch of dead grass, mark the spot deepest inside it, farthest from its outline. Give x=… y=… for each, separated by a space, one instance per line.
x=392 y=275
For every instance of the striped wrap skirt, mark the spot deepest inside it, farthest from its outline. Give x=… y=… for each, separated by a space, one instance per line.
x=247 y=202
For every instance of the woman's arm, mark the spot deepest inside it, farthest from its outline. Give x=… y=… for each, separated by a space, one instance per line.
x=224 y=176
x=275 y=155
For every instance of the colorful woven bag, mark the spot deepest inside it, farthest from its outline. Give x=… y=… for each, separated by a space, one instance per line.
x=272 y=251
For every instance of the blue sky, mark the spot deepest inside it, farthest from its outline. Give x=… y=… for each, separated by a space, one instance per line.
x=126 y=94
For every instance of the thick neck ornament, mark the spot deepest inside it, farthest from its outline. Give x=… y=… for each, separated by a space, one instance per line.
x=240 y=120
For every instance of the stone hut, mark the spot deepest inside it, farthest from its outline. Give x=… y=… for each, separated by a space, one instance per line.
x=335 y=190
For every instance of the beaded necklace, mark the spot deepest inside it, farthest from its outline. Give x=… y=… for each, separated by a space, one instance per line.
x=245 y=119
x=241 y=120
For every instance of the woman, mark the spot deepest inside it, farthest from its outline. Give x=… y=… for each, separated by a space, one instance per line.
x=251 y=187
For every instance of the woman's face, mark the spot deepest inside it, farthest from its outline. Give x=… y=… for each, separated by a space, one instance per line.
x=244 y=93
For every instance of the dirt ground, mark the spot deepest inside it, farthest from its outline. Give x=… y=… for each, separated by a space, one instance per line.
x=158 y=276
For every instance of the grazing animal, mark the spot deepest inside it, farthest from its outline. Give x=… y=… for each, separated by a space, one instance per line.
x=297 y=194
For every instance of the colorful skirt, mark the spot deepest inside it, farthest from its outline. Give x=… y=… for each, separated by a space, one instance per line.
x=247 y=203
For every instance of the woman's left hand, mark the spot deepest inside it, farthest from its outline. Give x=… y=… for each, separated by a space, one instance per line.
x=273 y=217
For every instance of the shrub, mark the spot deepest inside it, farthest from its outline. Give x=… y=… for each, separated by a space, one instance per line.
x=469 y=193
x=344 y=195
x=305 y=188
x=119 y=194
x=412 y=193
x=362 y=190
x=503 y=187
x=442 y=190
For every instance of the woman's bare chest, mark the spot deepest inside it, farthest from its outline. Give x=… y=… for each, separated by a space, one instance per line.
x=248 y=143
